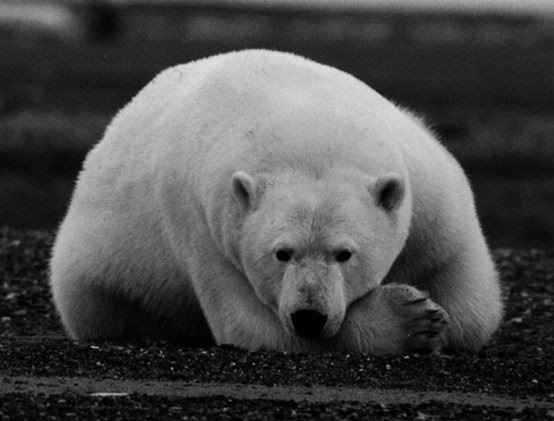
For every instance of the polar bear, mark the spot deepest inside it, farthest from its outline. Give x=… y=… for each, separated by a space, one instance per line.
x=263 y=200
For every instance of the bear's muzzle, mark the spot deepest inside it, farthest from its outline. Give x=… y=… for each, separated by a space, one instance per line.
x=312 y=303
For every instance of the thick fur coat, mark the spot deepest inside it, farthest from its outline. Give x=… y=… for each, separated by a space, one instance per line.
x=263 y=200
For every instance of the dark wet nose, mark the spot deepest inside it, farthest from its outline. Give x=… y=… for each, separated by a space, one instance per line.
x=308 y=323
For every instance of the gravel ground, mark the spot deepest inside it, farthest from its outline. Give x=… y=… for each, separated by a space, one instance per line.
x=67 y=406
x=518 y=365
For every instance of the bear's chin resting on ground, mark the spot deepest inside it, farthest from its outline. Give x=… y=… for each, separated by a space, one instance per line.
x=267 y=201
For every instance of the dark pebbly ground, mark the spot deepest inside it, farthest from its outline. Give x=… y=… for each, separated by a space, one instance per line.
x=44 y=375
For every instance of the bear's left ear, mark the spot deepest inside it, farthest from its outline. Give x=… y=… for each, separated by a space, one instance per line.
x=245 y=190
x=389 y=190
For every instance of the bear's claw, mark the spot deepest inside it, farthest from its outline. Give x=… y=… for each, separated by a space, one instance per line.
x=421 y=321
x=417 y=301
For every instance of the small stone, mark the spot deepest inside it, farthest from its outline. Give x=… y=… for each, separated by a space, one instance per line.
x=421 y=416
x=109 y=394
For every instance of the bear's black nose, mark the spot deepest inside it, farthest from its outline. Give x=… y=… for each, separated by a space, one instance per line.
x=308 y=323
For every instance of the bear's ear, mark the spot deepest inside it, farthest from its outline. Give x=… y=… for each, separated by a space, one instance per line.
x=245 y=189
x=389 y=190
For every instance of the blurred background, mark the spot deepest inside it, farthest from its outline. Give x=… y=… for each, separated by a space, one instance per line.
x=481 y=71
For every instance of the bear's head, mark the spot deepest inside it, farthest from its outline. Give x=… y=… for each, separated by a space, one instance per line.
x=311 y=246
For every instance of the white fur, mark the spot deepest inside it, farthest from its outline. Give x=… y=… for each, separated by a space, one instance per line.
x=216 y=164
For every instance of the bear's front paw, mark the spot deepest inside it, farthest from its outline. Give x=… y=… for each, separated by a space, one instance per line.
x=420 y=321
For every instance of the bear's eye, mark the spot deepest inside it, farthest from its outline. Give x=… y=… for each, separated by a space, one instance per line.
x=342 y=256
x=283 y=255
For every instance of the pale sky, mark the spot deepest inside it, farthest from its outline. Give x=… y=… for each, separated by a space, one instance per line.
x=511 y=6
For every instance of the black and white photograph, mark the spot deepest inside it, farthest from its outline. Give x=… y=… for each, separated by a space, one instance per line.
x=277 y=210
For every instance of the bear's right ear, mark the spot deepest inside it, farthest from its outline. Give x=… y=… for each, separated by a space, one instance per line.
x=389 y=190
x=245 y=189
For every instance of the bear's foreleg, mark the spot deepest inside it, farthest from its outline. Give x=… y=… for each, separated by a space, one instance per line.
x=93 y=312
x=468 y=289
x=394 y=319
x=89 y=312
x=234 y=313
